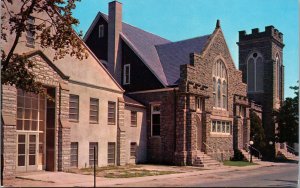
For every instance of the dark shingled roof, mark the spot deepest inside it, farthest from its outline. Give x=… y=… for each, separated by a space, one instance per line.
x=160 y=55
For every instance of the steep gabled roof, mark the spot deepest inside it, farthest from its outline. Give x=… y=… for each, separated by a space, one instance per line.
x=161 y=56
x=174 y=54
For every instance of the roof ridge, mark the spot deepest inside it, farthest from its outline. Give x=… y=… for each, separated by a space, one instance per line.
x=139 y=28
x=207 y=35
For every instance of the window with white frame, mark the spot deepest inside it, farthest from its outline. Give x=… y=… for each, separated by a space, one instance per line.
x=30 y=32
x=219 y=85
x=220 y=127
x=101 y=31
x=198 y=104
x=132 y=149
x=94 y=110
x=255 y=72
x=126 y=74
x=155 y=120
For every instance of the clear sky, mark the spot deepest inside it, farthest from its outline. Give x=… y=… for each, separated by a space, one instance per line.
x=182 y=19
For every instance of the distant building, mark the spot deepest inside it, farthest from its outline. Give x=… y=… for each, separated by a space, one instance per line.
x=261 y=61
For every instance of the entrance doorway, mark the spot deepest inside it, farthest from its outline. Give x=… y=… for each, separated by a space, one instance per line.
x=35 y=131
x=199 y=132
x=27 y=152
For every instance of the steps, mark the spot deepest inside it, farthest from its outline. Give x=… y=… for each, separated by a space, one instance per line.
x=204 y=160
x=288 y=155
x=247 y=156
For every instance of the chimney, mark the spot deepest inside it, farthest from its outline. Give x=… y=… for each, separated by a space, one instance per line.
x=114 y=48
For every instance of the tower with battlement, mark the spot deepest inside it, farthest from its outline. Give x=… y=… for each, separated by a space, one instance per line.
x=261 y=61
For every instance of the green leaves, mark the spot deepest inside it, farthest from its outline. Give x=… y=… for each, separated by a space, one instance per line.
x=53 y=31
x=288 y=119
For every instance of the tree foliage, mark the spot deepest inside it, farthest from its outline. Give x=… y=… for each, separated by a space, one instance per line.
x=288 y=119
x=54 y=32
x=257 y=131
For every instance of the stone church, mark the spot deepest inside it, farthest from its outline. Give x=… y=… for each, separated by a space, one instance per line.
x=141 y=98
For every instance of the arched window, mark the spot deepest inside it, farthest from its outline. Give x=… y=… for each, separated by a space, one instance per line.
x=219 y=85
x=224 y=92
x=255 y=72
x=277 y=76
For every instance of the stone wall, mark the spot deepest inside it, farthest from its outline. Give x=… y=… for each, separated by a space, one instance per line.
x=269 y=43
x=160 y=149
x=47 y=74
x=121 y=134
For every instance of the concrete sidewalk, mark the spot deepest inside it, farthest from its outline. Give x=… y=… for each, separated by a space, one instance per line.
x=63 y=179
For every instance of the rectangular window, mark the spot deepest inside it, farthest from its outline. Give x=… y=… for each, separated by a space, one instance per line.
x=30 y=111
x=198 y=104
x=132 y=149
x=92 y=161
x=111 y=153
x=111 y=113
x=133 y=118
x=126 y=74
x=155 y=120
x=94 y=110
x=222 y=127
x=74 y=107
x=101 y=31
x=74 y=154
x=30 y=32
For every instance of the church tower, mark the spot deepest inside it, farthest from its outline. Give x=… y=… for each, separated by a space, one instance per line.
x=261 y=61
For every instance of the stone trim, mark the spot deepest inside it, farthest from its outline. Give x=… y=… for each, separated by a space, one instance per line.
x=94 y=86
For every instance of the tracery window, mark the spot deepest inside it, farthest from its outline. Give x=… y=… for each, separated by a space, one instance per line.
x=255 y=72
x=220 y=85
x=277 y=60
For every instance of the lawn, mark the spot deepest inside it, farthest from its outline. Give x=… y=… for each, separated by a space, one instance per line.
x=127 y=171
x=238 y=163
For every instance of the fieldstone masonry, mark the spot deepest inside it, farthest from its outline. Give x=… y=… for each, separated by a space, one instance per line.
x=48 y=75
x=121 y=134
x=270 y=44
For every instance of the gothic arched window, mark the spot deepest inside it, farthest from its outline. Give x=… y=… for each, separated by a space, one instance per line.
x=219 y=85
x=255 y=72
x=277 y=67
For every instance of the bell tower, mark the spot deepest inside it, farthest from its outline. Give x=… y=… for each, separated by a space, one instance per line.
x=261 y=62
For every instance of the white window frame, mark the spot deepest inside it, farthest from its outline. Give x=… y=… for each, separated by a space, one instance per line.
x=220 y=122
x=126 y=66
x=154 y=112
x=101 y=31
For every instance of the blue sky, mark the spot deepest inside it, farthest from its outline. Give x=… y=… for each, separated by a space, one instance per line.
x=182 y=19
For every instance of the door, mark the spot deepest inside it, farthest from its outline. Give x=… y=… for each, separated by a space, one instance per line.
x=199 y=132
x=27 y=152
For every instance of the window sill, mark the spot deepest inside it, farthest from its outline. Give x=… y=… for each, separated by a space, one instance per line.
x=73 y=121
x=133 y=126
x=214 y=134
x=111 y=123
x=94 y=123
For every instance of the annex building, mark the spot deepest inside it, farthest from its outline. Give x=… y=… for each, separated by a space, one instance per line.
x=141 y=98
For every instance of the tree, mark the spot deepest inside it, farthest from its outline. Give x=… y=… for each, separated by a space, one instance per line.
x=288 y=119
x=257 y=134
x=54 y=32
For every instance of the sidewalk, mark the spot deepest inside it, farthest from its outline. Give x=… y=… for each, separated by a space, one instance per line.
x=62 y=179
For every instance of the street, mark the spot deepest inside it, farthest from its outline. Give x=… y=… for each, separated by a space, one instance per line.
x=273 y=176
x=267 y=174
